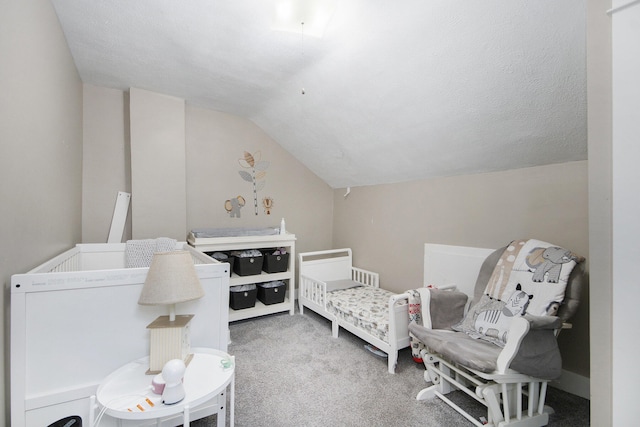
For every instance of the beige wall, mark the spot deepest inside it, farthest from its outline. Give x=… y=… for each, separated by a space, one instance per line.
x=387 y=225
x=158 y=167
x=106 y=160
x=214 y=144
x=41 y=147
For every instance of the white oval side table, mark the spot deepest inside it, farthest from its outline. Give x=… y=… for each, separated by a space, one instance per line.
x=126 y=393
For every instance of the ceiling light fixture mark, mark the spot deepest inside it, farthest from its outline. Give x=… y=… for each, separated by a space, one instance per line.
x=316 y=14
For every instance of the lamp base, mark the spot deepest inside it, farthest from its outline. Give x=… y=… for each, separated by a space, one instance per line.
x=169 y=340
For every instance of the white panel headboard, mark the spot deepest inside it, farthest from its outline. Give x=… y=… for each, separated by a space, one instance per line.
x=333 y=264
x=446 y=265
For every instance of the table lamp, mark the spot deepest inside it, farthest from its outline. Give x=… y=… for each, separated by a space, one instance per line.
x=171 y=279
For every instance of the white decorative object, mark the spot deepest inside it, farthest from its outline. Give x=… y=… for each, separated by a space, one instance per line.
x=173 y=374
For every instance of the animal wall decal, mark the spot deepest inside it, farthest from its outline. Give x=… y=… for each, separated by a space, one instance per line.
x=267 y=203
x=233 y=206
x=256 y=175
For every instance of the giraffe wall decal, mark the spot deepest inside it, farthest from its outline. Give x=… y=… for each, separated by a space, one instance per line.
x=257 y=173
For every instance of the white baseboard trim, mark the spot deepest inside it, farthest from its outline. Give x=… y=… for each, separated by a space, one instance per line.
x=573 y=383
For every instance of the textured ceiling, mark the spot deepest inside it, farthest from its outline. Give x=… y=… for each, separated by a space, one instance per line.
x=393 y=91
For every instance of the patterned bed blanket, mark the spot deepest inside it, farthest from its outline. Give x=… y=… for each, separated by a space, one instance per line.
x=365 y=307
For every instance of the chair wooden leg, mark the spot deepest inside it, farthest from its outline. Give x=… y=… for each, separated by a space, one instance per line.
x=427 y=393
x=445 y=386
x=491 y=395
x=432 y=375
x=504 y=400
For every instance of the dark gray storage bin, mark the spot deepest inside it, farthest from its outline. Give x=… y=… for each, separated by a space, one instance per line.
x=274 y=263
x=244 y=265
x=272 y=292
x=242 y=296
x=247 y=266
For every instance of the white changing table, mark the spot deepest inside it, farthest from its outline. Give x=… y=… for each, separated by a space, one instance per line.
x=126 y=393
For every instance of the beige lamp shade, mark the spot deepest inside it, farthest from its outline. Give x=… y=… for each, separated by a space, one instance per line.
x=171 y=279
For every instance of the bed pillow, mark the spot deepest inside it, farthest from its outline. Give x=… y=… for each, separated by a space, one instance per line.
x=338 y=285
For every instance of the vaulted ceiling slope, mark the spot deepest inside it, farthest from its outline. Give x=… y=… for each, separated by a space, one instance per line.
x=393 y=91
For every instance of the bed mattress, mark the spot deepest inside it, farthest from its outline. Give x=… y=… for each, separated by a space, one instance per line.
x=365 y=307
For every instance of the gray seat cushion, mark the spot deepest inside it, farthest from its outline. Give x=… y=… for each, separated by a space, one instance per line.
x=458 y=347
x=538 y=355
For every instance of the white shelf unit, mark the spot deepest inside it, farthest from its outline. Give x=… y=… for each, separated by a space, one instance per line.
x=288 y=241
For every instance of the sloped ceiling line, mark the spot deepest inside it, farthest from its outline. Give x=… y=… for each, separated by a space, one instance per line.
x=394 y=91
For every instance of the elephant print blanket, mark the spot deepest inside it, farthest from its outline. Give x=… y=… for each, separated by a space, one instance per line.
x=540 y=268
x=530 y=277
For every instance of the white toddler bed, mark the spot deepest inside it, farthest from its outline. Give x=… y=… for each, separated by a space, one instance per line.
x=351 y=298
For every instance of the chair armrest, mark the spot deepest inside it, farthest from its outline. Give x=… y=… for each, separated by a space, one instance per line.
x=441 y=309
x=543 y=322
x=517 y=331
x=531 y=347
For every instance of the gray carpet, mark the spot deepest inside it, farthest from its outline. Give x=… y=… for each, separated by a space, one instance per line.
x=291 y=372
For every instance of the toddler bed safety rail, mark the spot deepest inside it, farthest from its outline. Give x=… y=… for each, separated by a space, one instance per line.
x=350 y=297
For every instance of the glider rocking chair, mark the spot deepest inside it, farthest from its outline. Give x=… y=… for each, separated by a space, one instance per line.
x=501 y=348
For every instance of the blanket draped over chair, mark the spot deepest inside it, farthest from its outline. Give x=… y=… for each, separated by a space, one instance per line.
x=447 y=307
x=415 y=315
x=529 y=278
